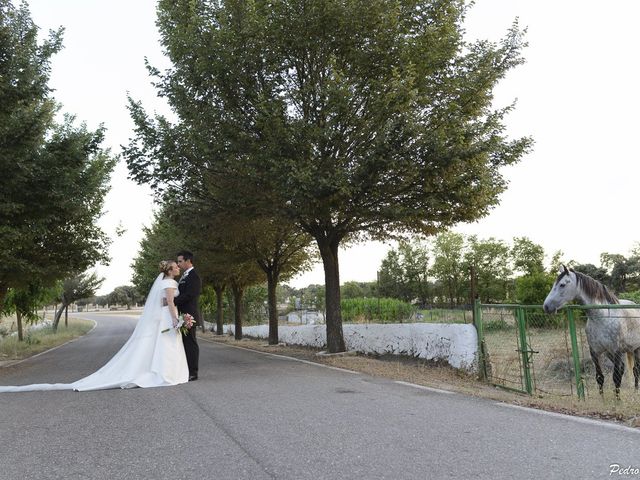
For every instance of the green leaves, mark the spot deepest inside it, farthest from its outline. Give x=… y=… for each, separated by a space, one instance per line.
x=346 y=119
x=58 y=173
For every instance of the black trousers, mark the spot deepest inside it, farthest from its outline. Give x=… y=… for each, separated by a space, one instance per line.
x=192 y=350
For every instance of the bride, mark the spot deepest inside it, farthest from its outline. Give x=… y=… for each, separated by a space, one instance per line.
x=152 y=357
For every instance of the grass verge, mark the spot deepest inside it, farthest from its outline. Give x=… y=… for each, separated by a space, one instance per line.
x=437 y=375
x=41 y=339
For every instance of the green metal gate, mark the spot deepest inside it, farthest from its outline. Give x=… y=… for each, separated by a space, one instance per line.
x=522 y=348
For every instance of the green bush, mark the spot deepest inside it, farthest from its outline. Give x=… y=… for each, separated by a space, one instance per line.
x=533 y=289
x=633 y=296
x=496 y=325
x=383 y=310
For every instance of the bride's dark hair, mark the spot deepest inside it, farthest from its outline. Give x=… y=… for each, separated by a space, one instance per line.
x=165 y=266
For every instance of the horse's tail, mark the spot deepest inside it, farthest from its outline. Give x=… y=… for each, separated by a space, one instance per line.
x=630 y=364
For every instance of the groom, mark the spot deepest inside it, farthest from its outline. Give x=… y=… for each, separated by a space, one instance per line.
x=189 y=287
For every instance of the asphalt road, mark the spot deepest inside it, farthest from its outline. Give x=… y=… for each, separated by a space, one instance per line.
x=257 y=416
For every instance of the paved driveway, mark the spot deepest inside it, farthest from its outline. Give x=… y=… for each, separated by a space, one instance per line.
x=255 y=416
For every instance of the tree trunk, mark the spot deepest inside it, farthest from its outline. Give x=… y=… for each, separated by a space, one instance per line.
x=56 y=317
x=329 y=252
x=3 y=293
x=238 y=294
x=219 y=310
x=19 y=320
x=272 y=283
x=66 y=317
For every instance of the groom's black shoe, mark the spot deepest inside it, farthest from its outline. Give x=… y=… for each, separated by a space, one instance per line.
x=193 y=377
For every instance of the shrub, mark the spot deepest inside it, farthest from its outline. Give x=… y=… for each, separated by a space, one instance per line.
x=633 y=296
x=533 y=289
x=384 y=310
x=496 y=325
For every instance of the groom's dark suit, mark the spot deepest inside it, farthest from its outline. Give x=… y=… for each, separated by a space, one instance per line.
x=187 y=302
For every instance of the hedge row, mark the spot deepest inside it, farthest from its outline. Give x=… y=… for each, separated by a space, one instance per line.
x=382 y=310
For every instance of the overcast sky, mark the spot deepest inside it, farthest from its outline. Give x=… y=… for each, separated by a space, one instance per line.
x=577 y=96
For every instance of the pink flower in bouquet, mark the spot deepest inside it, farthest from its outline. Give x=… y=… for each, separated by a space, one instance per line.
x=187 y=322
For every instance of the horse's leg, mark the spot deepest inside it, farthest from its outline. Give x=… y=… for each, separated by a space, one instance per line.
x=618 y=371
x=631 y=364
x=599 y=375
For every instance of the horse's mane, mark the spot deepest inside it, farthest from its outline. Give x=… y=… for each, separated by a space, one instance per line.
x=594 y=289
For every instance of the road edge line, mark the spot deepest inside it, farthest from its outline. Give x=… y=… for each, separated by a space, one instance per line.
x=588 y=421
x=423 y=387
x=284 y=357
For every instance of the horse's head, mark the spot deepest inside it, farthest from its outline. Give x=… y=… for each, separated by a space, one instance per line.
x=564 y=290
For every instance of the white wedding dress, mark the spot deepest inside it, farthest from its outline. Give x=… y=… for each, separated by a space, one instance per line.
x=150 y=358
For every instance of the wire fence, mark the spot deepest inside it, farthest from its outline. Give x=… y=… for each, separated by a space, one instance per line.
x=524 y=349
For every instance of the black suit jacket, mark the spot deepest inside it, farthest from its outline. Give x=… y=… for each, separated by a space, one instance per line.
x=187 y=302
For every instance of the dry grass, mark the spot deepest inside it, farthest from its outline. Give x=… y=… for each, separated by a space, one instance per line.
x=38 y=340
x=444 y=377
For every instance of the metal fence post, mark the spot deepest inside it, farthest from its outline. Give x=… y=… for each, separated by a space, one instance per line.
x=524 y=350
x=576 y=354
x=477 y=320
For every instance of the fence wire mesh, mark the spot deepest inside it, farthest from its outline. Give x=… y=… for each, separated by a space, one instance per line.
x=530 y=351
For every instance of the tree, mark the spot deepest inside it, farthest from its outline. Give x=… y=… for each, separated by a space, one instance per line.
x=528 y=257
x=404 y=273
x=124 y=295
x=415 y=263
x=59 y=174
x=625 y=272
x=353 y=119
x=26 y=113
x=208 y=302
x=533 y=288
x=448 y=267
x=313 y=296
x=24 y=302
x=391 y=275
x=217 y=275
x=161 y=241
x=102 y=300
x=279 y=249
x=246 y=275
x=598 y=273
x=76 y=288
x=357 y=290
x=490 y=260
x=557 y=260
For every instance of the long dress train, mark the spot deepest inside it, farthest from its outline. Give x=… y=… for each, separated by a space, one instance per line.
x=152 y=357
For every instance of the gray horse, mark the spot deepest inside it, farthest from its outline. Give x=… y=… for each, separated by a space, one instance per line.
x=613 y=332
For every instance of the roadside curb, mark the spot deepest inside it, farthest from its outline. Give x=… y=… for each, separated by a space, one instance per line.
x=308 y=362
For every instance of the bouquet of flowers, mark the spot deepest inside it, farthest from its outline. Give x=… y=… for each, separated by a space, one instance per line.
x=185 y=323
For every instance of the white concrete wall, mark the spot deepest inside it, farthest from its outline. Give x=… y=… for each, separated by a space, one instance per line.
x=456 y=344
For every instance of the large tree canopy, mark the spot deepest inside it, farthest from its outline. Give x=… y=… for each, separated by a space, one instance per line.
x=56 y=173
x=360 y=119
